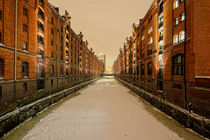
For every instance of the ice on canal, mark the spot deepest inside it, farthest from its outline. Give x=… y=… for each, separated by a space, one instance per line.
x=106 y=110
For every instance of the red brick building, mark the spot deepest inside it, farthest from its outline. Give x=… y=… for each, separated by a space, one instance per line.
x=172 y=53
x=39 y=52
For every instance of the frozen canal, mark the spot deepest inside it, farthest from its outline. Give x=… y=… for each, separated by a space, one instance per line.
x=105 y=110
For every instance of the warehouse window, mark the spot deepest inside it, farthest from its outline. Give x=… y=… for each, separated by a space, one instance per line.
x=40 y=40
x=182 y=16
x=41 y=2
x=182 y=36
x=25 y=45
x=52 y=32
x=0 y=37
x=25 y=12
x=178 y=65
x=175 y=39
x=52 y=43
x=40 y=26
x=176 y=21
x=142 y=69
x=149 y=68
x=1 y=16
x=51 y=70
x=1 y=68
x=0 y=92
x=24 y=28
x=41 y=14
x=25 y=69
x=176 y=4
x=25 y=86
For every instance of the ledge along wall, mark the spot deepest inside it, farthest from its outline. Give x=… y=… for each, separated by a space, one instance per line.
x=186 y=118
x=18 y=116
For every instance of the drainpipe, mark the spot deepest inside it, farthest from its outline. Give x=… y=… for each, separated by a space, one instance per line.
x=185 y=86
x=58 y=49
x=157 y=48
x=15 y=53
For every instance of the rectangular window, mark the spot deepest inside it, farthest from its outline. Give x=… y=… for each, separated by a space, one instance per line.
x=1 y=68
x=161 y=8
x=24 y=69
x=176 y=21
x=52 y=32
x=41 y=2
x=25 y=12
x=52 y=43
x=0 y=92
x=1 y=16
x=178 y=65
x=40 y=40
x=176 y=39
x=182 y=35
x=25 y=45
x=0 y=37
x=182 y=16
x=24 y=28
x=176 y=4
x=51 y=70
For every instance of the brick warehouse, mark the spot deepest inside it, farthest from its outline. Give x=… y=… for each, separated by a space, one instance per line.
x=168 y=54
x=40 y=53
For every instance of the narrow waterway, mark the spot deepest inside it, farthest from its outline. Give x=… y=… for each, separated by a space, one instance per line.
x=105 y=110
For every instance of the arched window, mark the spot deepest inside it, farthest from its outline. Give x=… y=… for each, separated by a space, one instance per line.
x=51 y=70
x=25 y=69
x=178 y=65
x=176 y=4
x=149 y=68
x=1 y=68
x=182 y=36
x=175 y=39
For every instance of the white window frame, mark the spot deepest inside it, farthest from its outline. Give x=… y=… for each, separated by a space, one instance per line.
x=175 y=39
x=182 y=36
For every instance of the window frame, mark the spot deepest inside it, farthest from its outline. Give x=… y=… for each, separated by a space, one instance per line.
x=175 y=39
x=25 y=72
x=25 y=28
x=25 y=11
x=182 y=15
x=182 y=36
x=176 y=21
x=2 y=68
x=25 y=44
x=52 y=70
x=178 y=67
x=149 y=68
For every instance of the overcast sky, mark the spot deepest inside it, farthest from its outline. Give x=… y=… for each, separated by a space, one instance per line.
x=104 y=23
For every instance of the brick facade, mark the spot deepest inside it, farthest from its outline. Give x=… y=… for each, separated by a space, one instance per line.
x=174 y=37
x=44 y=56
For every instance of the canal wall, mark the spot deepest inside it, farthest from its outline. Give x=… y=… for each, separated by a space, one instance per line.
x=18 y=116
x=191 y=120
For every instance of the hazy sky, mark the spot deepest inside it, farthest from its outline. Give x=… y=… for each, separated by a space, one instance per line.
x=104 y=23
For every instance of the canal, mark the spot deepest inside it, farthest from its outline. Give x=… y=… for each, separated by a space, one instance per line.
x=105 y=110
